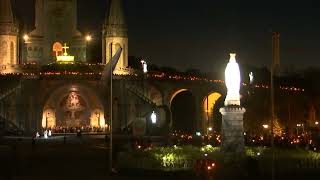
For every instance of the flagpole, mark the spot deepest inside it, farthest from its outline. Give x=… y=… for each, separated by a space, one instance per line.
x=274 y=65
x=110 y=125
x=272 y=117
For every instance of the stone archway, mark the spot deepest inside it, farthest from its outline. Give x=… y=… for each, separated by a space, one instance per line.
x=183 y=110
x=73 y=106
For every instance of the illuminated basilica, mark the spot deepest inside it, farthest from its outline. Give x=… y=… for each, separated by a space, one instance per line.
x=56 y=23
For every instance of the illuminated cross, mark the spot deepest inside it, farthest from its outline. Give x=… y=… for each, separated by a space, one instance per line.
x=65 y=47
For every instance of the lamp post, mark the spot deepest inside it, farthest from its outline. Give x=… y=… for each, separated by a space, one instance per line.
x=26 y=39
x=298 y=126
x=111 y=137
x=88 y=39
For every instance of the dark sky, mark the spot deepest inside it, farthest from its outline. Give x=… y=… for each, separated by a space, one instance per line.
x=201 y=33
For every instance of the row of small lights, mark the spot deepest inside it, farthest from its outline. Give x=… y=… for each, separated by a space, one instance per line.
x=175 y=77
x=26 y=38
x=292 y=89
x=293 y=141
x=192 y=78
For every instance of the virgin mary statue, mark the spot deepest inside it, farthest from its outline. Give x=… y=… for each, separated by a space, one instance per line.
x=232 y=80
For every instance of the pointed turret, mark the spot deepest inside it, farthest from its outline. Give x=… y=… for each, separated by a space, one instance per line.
x=115 y=23
x=8 y=35
x=6 y=15
x=115 y=33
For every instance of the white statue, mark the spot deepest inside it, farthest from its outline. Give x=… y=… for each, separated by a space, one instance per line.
x=232 y=80
x=45 y=134
x=49 y=133
x=251 y=78
x=144 y=66
x=37 y=135
x=153 y=118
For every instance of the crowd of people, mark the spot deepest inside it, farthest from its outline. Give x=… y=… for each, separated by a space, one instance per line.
x=85 y=129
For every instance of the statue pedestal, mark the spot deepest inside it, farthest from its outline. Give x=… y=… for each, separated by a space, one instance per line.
x=232 y=138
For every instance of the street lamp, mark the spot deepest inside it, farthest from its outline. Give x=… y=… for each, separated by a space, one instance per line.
x=24 y=53
x=265 y=126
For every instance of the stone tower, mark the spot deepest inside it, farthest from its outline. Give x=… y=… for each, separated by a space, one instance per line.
x=115 y=35
x=9 y=32
x=55 y=21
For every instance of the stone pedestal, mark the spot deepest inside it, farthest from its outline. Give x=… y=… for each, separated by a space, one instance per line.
x=232 y=138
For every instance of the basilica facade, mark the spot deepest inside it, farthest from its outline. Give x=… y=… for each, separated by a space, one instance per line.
x=56 y=22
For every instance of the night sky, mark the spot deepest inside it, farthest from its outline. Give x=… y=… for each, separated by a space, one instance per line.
x=201 y=33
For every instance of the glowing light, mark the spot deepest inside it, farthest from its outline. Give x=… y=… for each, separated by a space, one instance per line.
x=210 y=129
x=298 y=125
x=316 y=123
x=88 y=38
x=265 y=126
x=26 y=37
x=144 y=66
x=232 y=80
x=251 y=77
x=153 y=118
x=209 y=167
x=198 y=133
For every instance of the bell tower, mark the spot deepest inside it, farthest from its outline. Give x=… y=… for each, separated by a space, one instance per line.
x=8 y=35
x=115 y=36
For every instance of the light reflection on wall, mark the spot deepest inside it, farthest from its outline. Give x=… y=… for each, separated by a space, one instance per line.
x=97 y=118
x=208 y=106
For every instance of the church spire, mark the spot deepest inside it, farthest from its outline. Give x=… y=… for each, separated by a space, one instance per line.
x=6 y=15
x=115 y=33
x=8 y=35
x=115 y=23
